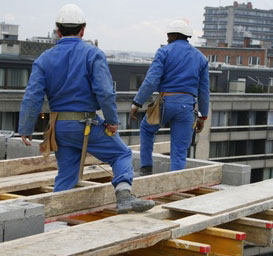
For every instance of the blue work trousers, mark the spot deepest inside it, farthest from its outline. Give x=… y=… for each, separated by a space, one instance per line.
x=109 y=149
x=178 y=111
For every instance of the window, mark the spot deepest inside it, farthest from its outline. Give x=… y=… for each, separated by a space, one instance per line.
x=212 y=58
x=213 y=80
x=2 y=78
x=239 y=60
x=219 y=118
x=136 y=81
x=270 y=81
x=253 y=60
x=227 y=59
x=269 y=147
x=270 y=117
x=267 y=173
x=218 y=149
x=17 y=78
x=123 y=121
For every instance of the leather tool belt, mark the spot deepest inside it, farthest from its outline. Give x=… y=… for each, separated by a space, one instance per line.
x=49 y=144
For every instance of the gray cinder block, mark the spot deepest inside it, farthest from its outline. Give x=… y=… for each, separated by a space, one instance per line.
x=236 y=174
x=23 y=227
x=20 y=219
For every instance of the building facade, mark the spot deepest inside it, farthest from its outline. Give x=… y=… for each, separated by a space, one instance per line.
x=231 y=24
x=240 y=124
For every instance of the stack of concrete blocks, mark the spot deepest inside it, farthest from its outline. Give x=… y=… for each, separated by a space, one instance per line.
x=19 y=219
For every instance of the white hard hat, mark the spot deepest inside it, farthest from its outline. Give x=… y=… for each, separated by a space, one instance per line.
x=70 y=14
x=179 y=26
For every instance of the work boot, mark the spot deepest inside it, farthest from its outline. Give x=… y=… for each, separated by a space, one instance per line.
x=127 y=202
x=145 y=170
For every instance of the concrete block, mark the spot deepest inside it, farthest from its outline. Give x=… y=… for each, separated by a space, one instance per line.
x=17 y=149
x=23 y=227
x=236 y=174
x=20 y=219
x=1 y=233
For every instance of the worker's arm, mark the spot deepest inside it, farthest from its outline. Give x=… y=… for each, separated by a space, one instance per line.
x=102 y=86
x=150 y=83
x=203 y=97
x=32 y=103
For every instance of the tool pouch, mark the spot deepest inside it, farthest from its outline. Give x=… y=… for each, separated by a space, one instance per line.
x=49 y=144
x=153 y=110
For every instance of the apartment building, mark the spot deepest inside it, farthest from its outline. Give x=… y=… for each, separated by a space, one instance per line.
x=231 y=24
x=249 y=55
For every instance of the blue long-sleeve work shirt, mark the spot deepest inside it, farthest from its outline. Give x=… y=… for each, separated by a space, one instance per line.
x=178 y=67
x=75 y=77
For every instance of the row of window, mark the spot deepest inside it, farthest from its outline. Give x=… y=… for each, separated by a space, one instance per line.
x=254 y=13
x=252 y=60
x=13 y=78
x=237 y=118
x=240 y=148
x=253 y=21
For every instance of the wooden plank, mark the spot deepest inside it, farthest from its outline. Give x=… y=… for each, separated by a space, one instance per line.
x=34 y=164
x=186 y=245
x=266 y=215
x=258 y=232
x=99 y=195
x=222 y=242
x=91 y=238
x=164 y=251
x=84 y=183
x=7 y=196
x=226 y=200
x=36 y=180
x=198 y=222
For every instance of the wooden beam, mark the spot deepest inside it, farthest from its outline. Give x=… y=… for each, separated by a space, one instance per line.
x=8 y=196
x=44 y=179
x=109 y=236
x=265 y=215
x=222 y=242
x=46 y=189
x=230 y=199
x=98 y=195
x=198 y=222
x=34 y=164
x=162 y=250
x=258 y=232
x=83 y=183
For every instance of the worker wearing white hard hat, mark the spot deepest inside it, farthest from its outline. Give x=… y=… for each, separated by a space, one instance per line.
x=179 y=72
x=77 y=81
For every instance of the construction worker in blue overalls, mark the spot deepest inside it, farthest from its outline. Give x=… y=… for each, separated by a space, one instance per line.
x=180 y=72
x=76 y=79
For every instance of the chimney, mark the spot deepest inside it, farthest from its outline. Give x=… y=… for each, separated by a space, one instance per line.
x=247 y=41
x=249 y=5
x=235 y=4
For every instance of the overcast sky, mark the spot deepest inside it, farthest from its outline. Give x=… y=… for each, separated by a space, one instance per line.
x=129 y=25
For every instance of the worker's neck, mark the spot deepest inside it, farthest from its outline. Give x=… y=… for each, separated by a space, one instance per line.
x=72 y=37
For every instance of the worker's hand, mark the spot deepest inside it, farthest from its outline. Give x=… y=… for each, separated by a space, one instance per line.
x=111 y=129
x=199 y=125
x=26 y=140
x=133 y=112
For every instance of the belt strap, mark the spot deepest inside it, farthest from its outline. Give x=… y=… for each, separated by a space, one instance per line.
x=173 y=93
x=74 y=115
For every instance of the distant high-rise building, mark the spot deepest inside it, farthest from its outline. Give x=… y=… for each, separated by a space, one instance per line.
x=230 y=25
x=8 y=31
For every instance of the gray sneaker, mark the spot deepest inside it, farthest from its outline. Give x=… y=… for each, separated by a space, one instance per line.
x=127 y=202
x=145 y=170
